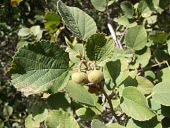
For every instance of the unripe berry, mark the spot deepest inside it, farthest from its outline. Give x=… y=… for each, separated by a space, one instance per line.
x=79 y=77
x=95 y=76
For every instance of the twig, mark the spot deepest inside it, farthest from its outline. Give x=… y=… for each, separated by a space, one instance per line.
x=113 y=34
x=110 y=103
x=155 y=65
x=111 y=121
x=112 y=94
x=80 y=64
x=149 y=96
x=123 y=34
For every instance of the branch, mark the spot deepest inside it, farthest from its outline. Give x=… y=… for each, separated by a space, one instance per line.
x=155 y=65
x=123 y=34
x=113 y=34
x=110 y=103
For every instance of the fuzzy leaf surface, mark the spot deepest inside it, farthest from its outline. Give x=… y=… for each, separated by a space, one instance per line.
x=115 y=72
x=134 y=104
x=136 y=37
x=77 y=21
x=127 y=8
x=99 y=5
x=97 y=124
x=60 y=119
x=38 y=67
x=99 y=49
x=161 y=93
x=80 y=94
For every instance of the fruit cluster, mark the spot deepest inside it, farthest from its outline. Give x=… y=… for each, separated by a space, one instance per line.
x=92 y=76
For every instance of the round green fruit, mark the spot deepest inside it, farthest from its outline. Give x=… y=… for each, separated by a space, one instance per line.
x=95 y=76
x=79 y=77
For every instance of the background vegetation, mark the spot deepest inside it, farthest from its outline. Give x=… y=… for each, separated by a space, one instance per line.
x=25 y=21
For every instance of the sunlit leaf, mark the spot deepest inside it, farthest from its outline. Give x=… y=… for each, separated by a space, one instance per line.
x=99 y=5
x=39 y=67
x=60 y=119
x=136 y=37
x=127 y=8
x=77 y=21
x=80 y=94
x=161 y=93
x=99 y=48
x=134 y=104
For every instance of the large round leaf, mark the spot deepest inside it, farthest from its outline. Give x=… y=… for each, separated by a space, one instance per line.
x=136 y=37
x=115 y=72
x=127 y=8
x=153 y=123
x=60 y=119
x=39 y=67
x=144 y=85
x=99 y=5
x=97 y=124
x=77 y=21
x=134 y=104
x=161 y=93
x=142 y=57
x=80 y=94
x=99 y=49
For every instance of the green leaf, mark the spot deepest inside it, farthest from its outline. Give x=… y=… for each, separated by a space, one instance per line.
x=1 y=123
x=158 y=36
x=161 y=55
x=115 y=125
x=35 y=30
x=152 y=19
x=52 y=22
x=142 y=57
x=168 y=44
x=115 y=72
x=21 y=44
x=18 y=1
x=39 y=67
x=38 y=112
x=161 y=93
x=80 y=94
x=99 y=5
x=153 y=123
x=58 y=100
x=7 y=111
x=136 y=37
x=134 y=104
x=110 y=2
x=77 y=21
x=78 y=49
x=99 y=49
x=30 y=122
x=60 y=119
x=155 y=106
x=144 y=85
x=85 y=113
x=146 y=7
x=164 y=74
x=123 y=20
x=24 y=32
x=97 y=124
x=150 y=75
x=127 y=8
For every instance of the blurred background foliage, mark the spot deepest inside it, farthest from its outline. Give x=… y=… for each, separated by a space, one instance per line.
x=16 y=14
